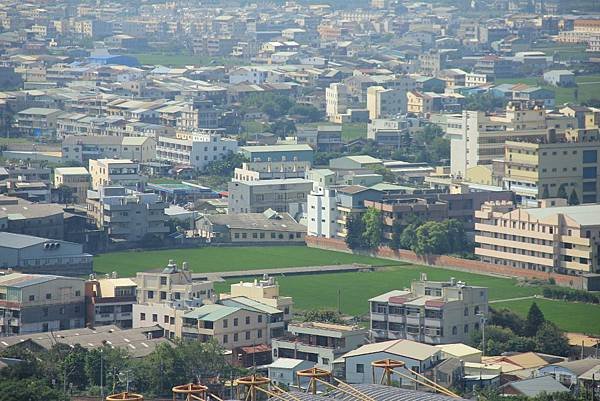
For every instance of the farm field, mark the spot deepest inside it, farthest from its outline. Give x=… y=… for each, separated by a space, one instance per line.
x=321 y=290
x=569 y=316
x=212 y=259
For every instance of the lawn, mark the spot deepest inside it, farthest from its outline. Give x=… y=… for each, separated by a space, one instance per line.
x=321 y=290
x=213 y=259
x=587 y=88
x=181 y=60
x=569 y=316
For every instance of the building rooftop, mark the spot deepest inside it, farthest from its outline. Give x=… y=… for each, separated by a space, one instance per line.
x=585 y=215
x=71 y=171
x=211 y=313
x=286 y=363
x=276 y=148
x=18 y=280
x=405 y=348
x=537 y=385
x=256 y=221
x=20 y=241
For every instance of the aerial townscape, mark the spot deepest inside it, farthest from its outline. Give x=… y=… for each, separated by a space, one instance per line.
x=303 y=200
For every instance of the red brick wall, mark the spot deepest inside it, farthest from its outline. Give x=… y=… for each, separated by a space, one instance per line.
x=450 y=262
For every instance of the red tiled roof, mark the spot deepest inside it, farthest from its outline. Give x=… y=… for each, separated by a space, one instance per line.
x=398 y=300
x=254 y=349
x=435 y=303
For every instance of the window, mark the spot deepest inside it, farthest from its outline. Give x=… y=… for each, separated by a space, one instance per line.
x=589 y=172
x=259 y=318
x=259 y=333
x=166 y=319
x=31 y=297
x=225 y=338
x=77 y=293
x=589 y=186
x=590 y=156
x=142 y=316
x=225 y=323
x=48 y=296
x=247 y=319
x=466 y=311
x=466 y=328
x=360 y=368
x=235 y=321
x=154 y=317
x=235 y=336
x=247 y=335
x=150 y=294
x=163 y=281
x=163 y=295
x=454 y=330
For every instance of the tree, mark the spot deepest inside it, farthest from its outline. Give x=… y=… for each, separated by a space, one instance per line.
x=395 y=243
x=311 y=113
x=226 y=166
x=508 y=319
x=457 y=239
x=323 y=315
x=373 y=228
x=562 y=192
x=535 y=319
x=573 y=198
x=283 y=127
x=29 y=390
x=354 y=232
x=386 y=173
x=431 y=238
x=408 y=238
x=551 y=340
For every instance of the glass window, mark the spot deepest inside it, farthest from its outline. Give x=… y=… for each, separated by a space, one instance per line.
x=589 y=172
x=360 y=368
x=590 y=156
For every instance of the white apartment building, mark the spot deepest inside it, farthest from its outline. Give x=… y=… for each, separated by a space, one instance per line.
x=382 y=102
x=336 y=99
x=477 y=138
x=195 y=149
x=323 y=214
x=429 y=312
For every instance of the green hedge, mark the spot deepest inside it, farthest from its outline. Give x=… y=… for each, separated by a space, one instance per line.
x=569 y=294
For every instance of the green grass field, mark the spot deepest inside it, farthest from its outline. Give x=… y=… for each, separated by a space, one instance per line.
x=320 y=290
x=588 y=87
x=569 y=316
x=214 y=259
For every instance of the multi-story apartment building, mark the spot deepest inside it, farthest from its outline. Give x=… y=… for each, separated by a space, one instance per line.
x=164 y=296
x=392 y=133
x=477 y=138
x=195 y=149
x=322 y=213
x=126 y=214
x=551 y=238
x=231 y=326
x=282 y=195
x=318 y=342
x=337 y=99
x=76 y=178
x=35 y=255
x=430 y=312
x=256 y=171
x=35 y=303
x=109 y=301
x=117 y=172
x=565 y=167
x=37 y=121
x=278 y=153
x=324 y=138
x=82 y=148
x=382 y=102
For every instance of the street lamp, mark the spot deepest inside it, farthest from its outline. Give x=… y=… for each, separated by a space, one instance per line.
x=483 y=320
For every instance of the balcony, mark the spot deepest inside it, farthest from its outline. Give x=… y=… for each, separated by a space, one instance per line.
x=396 y=319
x=380 y=317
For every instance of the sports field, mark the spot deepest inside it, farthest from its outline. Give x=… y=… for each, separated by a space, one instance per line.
x=214 y=259
x=321 y=290
x=569 y=316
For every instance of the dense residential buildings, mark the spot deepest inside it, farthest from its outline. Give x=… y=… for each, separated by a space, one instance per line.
x=82 y=148
x=430 y=312
x=125 y=214
x=553 y=237
x=36 y=303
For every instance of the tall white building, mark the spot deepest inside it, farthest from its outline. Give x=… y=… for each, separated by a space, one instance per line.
x=322 y=213
x=382 y=102
x=195 y=149
x=336 y=99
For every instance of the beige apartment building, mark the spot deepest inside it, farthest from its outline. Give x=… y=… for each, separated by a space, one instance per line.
x=566 y=167
x=164 y=296
x=76 y=178
x=551 y=238
x=123 y=172
x=477 y=138
x=382 y=102
x=232 y=327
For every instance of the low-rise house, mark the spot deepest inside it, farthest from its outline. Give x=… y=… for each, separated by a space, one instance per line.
x=37 y=121
x=430 y=312
x=282 y=195
x=533 y=387
x=265 y=227
x=35 y=255
x=417 y=357
x=283 y=371
x=35 y=303
x=122 y=172
x=321 y=343
x=560 y=78
x=568 y=373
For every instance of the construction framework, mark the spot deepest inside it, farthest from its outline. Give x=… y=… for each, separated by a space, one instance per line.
x=125 y=396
